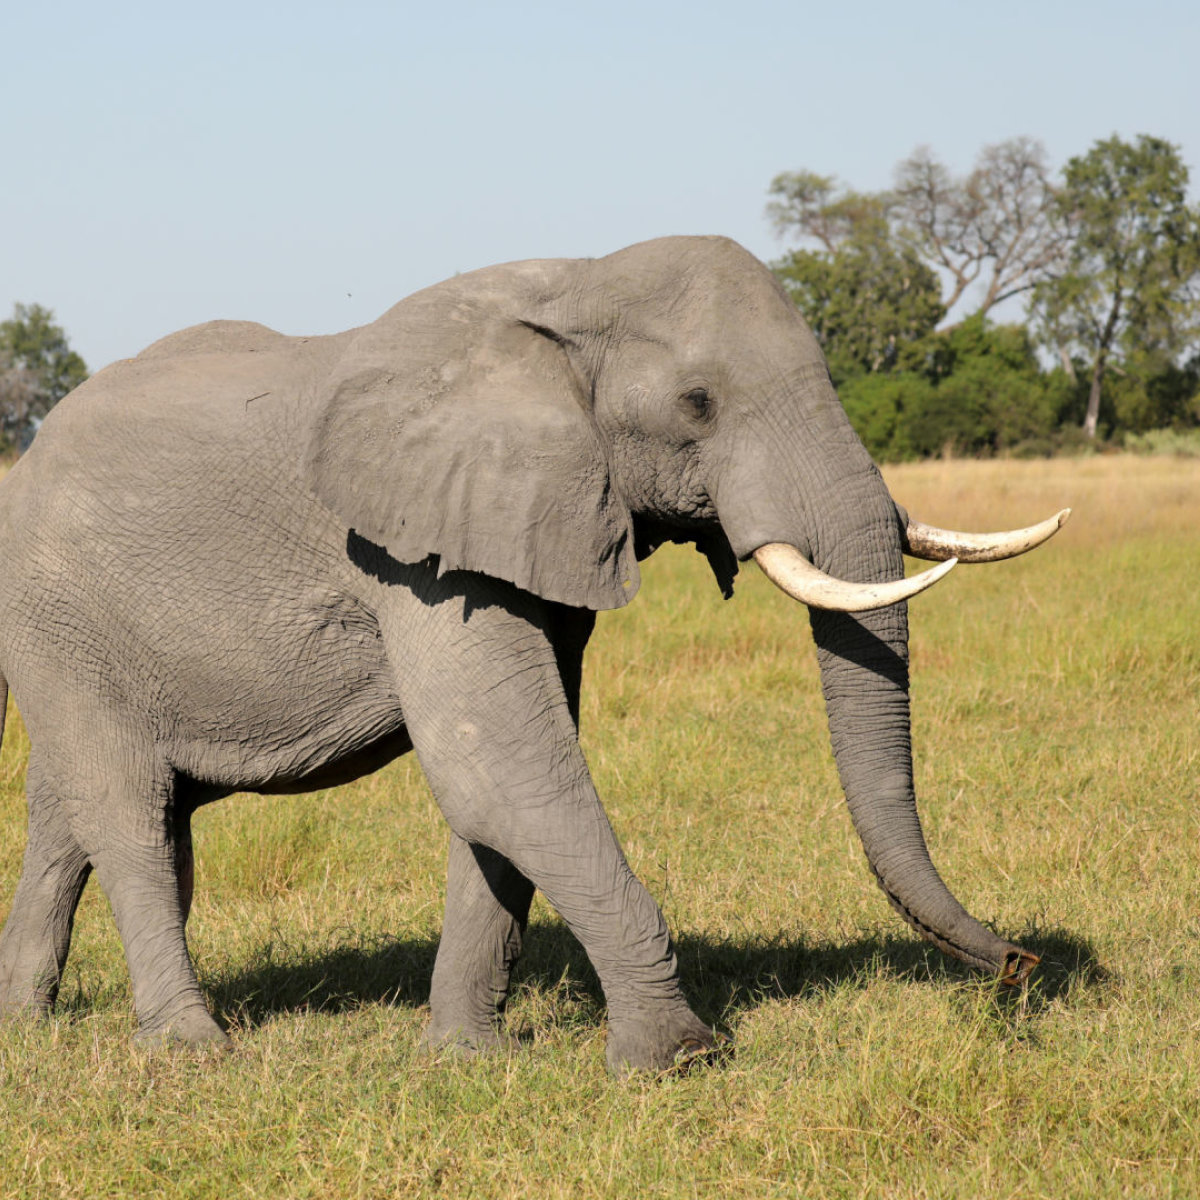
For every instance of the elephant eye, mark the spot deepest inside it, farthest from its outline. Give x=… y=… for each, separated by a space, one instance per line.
x=699 y=403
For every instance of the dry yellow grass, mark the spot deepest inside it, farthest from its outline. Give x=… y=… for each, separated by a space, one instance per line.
x=1112 y=497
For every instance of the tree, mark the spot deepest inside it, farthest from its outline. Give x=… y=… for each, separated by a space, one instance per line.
x=1129 y=286
x=37 y=368
x=865 y=296
x=1151 y=392
x=880 y=408
x=994 y=226
x=866 y=301
x=815 y=206
x=990 y=395
x=975 y=388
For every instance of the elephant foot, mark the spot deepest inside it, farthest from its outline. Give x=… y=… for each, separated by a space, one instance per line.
x=192 y=1028
x=693 y=1053
x=26 y=994
x=13 y=1011
x=674 y=1045
x=460 y=1040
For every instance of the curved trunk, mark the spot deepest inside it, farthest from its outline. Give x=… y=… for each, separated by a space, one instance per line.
x=814 y=487
x=864 y=675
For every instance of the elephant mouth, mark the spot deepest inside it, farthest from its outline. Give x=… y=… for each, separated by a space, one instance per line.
x=790 y=571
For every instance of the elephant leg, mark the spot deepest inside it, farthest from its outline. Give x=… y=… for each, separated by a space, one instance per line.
x=494 y=733
x=487 y=906
x=131 y=834
x=488 y=899
x=37 y=935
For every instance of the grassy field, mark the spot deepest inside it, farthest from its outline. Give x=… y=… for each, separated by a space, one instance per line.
x=1058 y=758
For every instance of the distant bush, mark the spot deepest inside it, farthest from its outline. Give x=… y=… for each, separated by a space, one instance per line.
x=1184 y=443
x=37 y=368
x=976 y=389
x=1153 y=394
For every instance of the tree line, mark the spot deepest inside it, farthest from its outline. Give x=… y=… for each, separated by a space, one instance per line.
x=37 y=369
x=1104 y=255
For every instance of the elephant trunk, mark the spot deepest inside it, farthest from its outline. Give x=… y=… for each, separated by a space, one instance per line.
x=834 y=510
x=864 y=675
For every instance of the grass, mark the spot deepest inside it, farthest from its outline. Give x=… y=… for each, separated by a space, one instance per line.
x=1058 y=759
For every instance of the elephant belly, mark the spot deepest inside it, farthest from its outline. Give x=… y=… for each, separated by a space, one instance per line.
x=279 y=685
x=311 y=709
x=359 y=741
x=339 y=770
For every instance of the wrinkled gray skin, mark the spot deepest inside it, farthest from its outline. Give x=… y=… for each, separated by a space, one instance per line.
x=249 y=562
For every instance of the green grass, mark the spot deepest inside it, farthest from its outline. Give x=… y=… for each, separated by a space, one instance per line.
x=1058 y=759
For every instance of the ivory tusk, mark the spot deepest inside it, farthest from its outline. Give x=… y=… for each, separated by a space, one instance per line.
x=790 y=571
x=929 y=542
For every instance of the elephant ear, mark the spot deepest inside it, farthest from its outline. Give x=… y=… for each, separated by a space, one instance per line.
x=485 y=456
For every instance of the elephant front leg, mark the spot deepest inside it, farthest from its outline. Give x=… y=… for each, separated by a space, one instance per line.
x=491 y=724
x=487 y=907
x=488 y=899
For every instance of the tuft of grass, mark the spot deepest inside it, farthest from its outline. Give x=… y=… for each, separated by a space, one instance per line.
x=1058 y=769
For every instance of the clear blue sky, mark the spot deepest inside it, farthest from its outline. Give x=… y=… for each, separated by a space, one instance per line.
x=308 y=164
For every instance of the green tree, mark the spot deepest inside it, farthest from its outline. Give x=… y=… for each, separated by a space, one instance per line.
x=1152 y=391
x=37 y=369
x=808 y=205
x=868 y=302
x=976 y=388
x=989 y=393
x=866 y=297
x=881 y=408
x=1130 y=284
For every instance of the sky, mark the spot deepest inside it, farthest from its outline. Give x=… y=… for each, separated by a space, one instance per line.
x=307 y=165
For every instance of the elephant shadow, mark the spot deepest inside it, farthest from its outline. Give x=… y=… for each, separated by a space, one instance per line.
x=735 y=975
x=723 y=977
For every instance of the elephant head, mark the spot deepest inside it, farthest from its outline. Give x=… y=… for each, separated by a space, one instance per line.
x=550 y=422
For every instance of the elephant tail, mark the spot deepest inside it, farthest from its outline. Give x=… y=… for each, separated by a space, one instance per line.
x=3 y=705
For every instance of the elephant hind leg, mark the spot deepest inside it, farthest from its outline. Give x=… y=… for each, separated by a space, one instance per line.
x=37 y=936
x=185 y=859
x=140 y=848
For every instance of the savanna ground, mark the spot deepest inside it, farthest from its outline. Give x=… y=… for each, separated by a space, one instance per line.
x=1058 y=754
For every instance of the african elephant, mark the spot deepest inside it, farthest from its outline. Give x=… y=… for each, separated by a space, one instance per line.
x=248 y=562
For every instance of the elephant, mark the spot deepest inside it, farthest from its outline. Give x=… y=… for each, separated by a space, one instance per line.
x=249 y=562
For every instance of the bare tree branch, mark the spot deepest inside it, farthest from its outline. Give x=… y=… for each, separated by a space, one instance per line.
x=998 y=220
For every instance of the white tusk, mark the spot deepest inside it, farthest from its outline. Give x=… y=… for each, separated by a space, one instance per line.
x=789 y=570
x=929 y=542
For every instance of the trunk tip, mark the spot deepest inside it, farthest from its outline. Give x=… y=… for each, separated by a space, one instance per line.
x=1017 y=967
